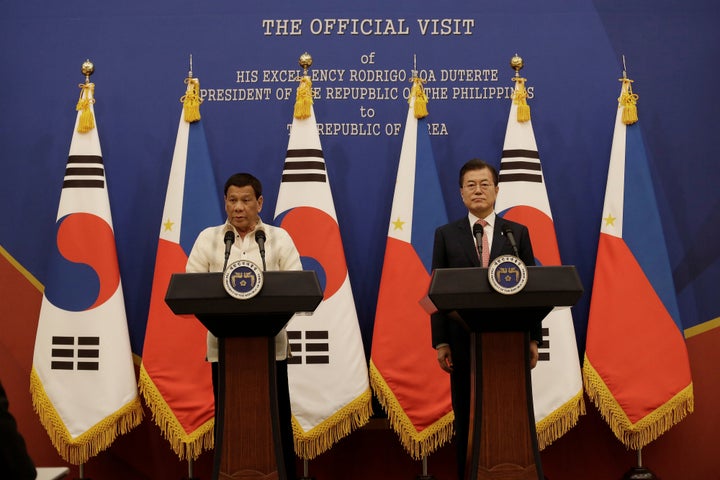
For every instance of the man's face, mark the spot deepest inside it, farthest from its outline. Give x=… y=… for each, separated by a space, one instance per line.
x=479 y=192
x=242 y=207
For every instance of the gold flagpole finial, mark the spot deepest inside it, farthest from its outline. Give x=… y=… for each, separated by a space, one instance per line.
x=520 y=93
x=87 y=98
x=191 y=100
x=87 y=69
x=516 y=62
x=303 y=98
x=418 y=93
x=628 y=100
x=305 y=62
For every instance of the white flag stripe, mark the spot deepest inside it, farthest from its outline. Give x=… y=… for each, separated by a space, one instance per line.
x=176 y=183
x=402 y=207
x=613 y=207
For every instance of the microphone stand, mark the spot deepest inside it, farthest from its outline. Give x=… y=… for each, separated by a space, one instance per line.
x=229 y=240
x=260 y=239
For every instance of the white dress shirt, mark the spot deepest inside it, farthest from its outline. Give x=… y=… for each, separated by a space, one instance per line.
x=208 y=255
x=488 y=229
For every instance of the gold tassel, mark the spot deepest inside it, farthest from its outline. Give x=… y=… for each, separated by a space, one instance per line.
x=322 y=437
x=99 y=437
x=628 y=102
x=520 y=99
x=560 y=421
x=87 y=120
x=191 y=100
x=303 y=99
x=186 y=446
x=418 y=444
x=418 y=93
x=636 y=435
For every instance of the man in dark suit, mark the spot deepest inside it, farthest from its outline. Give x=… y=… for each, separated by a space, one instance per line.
x=455 y=247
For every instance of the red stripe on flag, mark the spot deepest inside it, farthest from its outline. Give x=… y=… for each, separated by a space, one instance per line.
x=402 y=348
x=633 y=344
x=178 y=348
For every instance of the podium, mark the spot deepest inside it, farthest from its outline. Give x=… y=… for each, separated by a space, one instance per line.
x=502 y=441
x=248 y=443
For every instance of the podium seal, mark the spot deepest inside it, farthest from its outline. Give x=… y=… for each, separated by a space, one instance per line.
x=507 y=274
x=242 y=279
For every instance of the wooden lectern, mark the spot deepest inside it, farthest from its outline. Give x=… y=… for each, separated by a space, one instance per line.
x=502 y=443
x=247 y=434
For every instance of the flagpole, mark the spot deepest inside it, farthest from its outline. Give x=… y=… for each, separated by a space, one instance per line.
x=639 y=472
x=425 y=475
x=81 y=472
x=306 y=469
x=191 y=462
x=191 y=470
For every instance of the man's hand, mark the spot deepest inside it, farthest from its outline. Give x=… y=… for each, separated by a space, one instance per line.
x=534 y=355
x=445 y=358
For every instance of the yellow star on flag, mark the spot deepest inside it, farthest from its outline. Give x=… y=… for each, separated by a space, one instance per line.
x=168 y=225
x=609 y=220
x=398 y=224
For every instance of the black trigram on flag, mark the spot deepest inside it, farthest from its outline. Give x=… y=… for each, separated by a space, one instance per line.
x=84 y=171
x=544 y=351
x=75 y=353
x=304 y=165
x=312 y=350
x=520 y=166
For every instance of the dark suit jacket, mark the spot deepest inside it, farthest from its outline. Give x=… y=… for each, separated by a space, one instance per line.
x=454 y=247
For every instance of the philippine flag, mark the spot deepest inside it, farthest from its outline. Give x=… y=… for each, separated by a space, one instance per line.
x=403 y=367
x=175 y=379
x=636 y=368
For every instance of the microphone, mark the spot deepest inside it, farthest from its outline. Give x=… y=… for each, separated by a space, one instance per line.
x=260 y=239
x=511 y=236
x=229 y=240
x=478 y=233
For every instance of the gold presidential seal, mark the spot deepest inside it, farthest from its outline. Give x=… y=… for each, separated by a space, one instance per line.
x=507 y=274
x=242 y=279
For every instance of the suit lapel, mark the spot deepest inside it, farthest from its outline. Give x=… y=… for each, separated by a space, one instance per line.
x=498 y=238
x=467 y=242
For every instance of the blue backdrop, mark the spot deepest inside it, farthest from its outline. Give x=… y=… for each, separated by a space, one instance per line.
x=572 y=53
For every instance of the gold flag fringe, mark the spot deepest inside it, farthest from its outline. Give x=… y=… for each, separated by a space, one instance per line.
x=90 y=443
x=636 y=436
x=87 y=120
x=628 y=102
x=417 y=444
x=303 y=98
x=520 y=99
x=185 y=446
x=355 y=414
x=191 y=100
x=560 y=421
x=418 y=93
